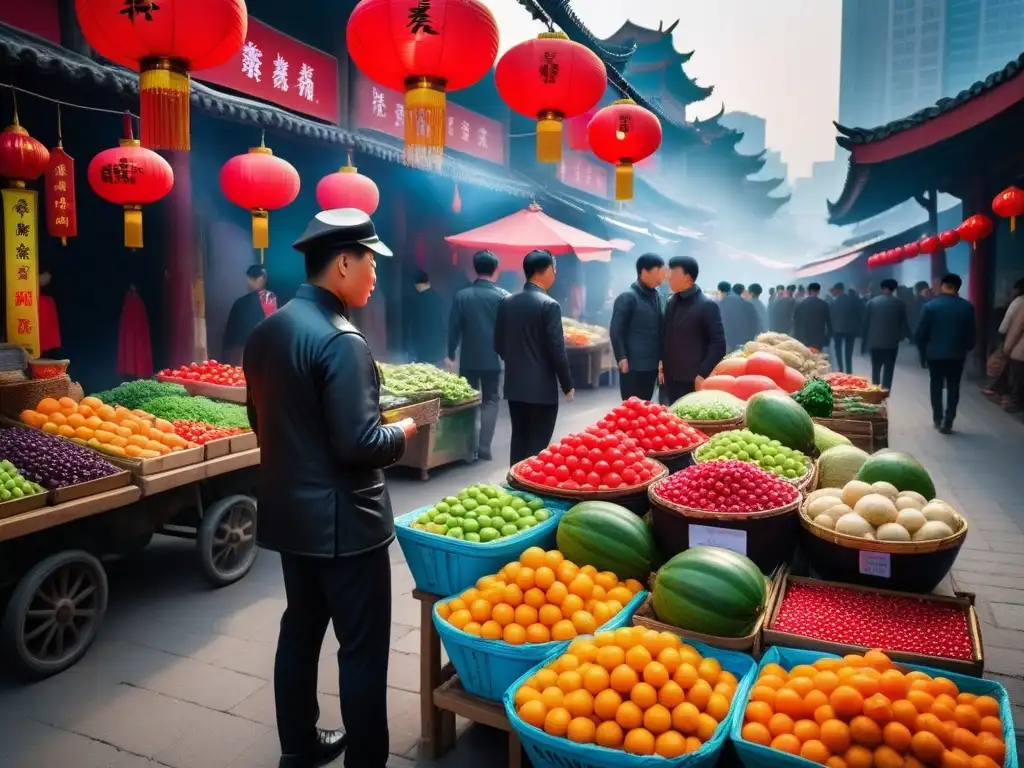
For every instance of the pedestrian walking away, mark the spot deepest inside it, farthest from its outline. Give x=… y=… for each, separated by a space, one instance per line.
x=528 y=336
x=847 y=319
x=812 y=319
x=780 y=313
x=635 y=329
x=313 y=400
x=946 y=333
x=1013 y=347
x=424 y=323
x=754 y=298
x=739 y=318
x=885 y=327
x=693 y=340
x=1001 y=387
x=471 y=327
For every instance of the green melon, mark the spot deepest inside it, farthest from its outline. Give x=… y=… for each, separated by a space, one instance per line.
x=839 y=465
x=825 y=438
x=710 y=590
x=608 y=537
x=900 y=469
x=779 y=417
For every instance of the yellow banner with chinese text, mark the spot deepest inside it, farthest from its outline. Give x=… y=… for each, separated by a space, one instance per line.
x=21 y=268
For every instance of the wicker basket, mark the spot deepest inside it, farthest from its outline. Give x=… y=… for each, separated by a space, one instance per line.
x=558 y=493
x=676 y=460
x=805 y=483
x=25 y=395
x=711 y=428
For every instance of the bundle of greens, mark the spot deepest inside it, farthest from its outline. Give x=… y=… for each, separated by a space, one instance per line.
x=198 y=409
x=816 y=399
x=132 y=394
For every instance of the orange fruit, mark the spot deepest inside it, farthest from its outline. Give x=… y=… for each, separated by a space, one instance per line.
x=700 y=694
x=943 y=711
x=802 y=685
x=772 y=681
x=922 y=700
x=965 y=740
x=670 y=659
x=780 y=724
x=992 y=747
x=557 y=721
x=823 y=713
x=967 y=716
x=596 y=679
x=955 y=758
x=836 y=762
x=774 y=669
x=763 y=693
x=609 y=734
x=526 y=615
x=941 y=685
x=693 y=744
x=525 y=694
x=685 y=718
x=813 y=700
x=503 y=613
x=826 y=682
x=606 y=704
x=629 y=715
x=533 y=557
x=643 y=695
x=786 y=742
x=579 y=702
x=865 y=684
x=806 y=730
x=514 y=634
x=657 y=719
x=892 y=684
x=563 y=630
x=584 y=623
x=543 y=577
x=621 y=594
x=514 y=596
x=984 y=761
x=654 y=673
x=570 y=605
x=569 y=681
x=859 y=757
x=887 y=757
x=897 y=736
x=815 y=751
x=757 y=733
x=670 y=744
x=47 y=406
x=479 y=609
x=706 y=726
x=552 y=696
x=639 y=741
x=904 y=712
x=460 y=618
x=444 y=610
x=565 y=663
x=865 y=731
x=877 y=660
x=846 y=701
x=548 y=615
x=986 y=706
x=803 y=670
x=536 y=598
x=581 y=730
x=533 y=712
x=878 y=708
x=835 y=734
x=491 y=630
x=472 y=628
x=623 y=678
x=601 y=613
x=610 y=657
x=50 y=428
x=718 y=706
x=638 y=657
x=927 y=746
x=993 y=725
x=524 y=579
x=709 y=669
x=582 y=586
x=686 y=676
x=671 y=695
x=789 y=702
x=556 y=593
x=758 y=712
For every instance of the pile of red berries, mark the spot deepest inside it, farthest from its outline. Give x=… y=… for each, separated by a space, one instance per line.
x=727 y=486
x=209 y=372
x=201 y=433
x=595 y=460
x=655 y=428
x=874 y=621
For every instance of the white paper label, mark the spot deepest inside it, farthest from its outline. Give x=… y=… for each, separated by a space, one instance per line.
x=726 y=538
x=876 y=564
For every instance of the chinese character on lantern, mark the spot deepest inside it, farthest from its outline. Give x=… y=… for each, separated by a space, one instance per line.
x=419 y=18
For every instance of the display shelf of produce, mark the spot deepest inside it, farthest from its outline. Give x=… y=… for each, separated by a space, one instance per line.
x=16 y=526
x=25 y=504
x=448 y=440
x=89 y=488
x=153 y=484
x=589 y=363
x=142 y=467
x=927 y=622
x=216 y=448
x=244 y=443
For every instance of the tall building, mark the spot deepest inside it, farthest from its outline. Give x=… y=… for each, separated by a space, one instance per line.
x=981 y=37
x=751 y=126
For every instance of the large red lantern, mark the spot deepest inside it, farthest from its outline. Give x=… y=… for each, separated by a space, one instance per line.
x=22 y=158
x=929 y=245
x=949 y=238
x=910 y=250
x=549 y=79
x=164 y=40
x=130 y=176
x=624 y=133
x=977 y=227
x=261 y=183
x=1009 y=204
x=424 y=48
x=348 y=189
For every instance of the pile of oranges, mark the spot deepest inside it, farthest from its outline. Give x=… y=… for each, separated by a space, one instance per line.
x=633 y=689
x=862 y=712
x=539 y=598
x=113 y=430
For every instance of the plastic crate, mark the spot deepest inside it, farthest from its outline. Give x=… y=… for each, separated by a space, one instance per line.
x=758 y=756
x=488 y=667
x=547 y=751
x=443 y=566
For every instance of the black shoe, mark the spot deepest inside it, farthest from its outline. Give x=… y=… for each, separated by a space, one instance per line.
x=946 y=429
x=329 y=745
x=485 y=456
x=937 y=424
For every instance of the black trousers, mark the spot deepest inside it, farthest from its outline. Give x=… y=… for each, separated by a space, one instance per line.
x=638 y=384
x=675 y=390
x=844 y=351
x=488 y=384
x=355 y=594
x=532 y=428
x=883 y=365
x=945 y=375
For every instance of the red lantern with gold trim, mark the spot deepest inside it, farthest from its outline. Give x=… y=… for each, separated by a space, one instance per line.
x=550 y=78
x=260 y=183
x=130 y=176
x=348 y=189
x=624 y=133
x=977 y=227
x=22 y=158
x=425 y=48
x=1009 y=204
x=164 y=40
x=929 y=245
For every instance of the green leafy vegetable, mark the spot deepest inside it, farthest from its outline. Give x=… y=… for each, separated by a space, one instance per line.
x=198 y=409
x=816 y=398
x=421 y=377
x=132 y=394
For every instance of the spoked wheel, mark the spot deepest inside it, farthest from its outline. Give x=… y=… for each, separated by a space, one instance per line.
x=227 y=539
x=54 y=614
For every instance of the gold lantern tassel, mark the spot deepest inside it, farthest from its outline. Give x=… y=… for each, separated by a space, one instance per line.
x=133 y=226
x=624 y=181
x=164 y=104
x=424 y=121
x=1013 y=223
x=260 y=228
x=549 y=137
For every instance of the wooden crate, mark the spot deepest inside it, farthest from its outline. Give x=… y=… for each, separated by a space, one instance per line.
x=860 y=433
x=244 y=442
x=216 y=448
x=446 y=441
x=160 y=464
x=89 y=488
x=20 y=506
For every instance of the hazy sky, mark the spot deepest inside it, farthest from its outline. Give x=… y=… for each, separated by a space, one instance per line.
x=777 y=59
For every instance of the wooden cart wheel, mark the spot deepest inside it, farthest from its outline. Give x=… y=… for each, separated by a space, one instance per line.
x=54 y=614
x=227 y=539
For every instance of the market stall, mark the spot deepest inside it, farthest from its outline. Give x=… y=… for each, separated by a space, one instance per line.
x=590 y=355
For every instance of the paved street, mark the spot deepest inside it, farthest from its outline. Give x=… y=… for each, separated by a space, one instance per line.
x=180 y=675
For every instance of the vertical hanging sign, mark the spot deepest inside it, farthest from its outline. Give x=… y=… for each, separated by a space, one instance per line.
x=21 y=268
x=61 y=218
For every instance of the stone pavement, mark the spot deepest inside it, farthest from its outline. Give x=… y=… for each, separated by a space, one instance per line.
x=180 y=675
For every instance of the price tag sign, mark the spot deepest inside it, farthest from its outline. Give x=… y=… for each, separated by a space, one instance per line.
x=726 y=538
x=876 y=564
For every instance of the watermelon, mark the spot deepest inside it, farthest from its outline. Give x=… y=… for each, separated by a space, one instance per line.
x=839 y=465
x=766 y=364
x=780 y=417
x=710 y=590
x=898 y=468
x=608 y=537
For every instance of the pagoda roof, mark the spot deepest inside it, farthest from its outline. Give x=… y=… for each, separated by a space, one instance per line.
x=935 y=148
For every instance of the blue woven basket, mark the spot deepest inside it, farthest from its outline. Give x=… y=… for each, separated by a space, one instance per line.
x=488 y=667
x=547 y=751
x=758 y=756
x=443 y=566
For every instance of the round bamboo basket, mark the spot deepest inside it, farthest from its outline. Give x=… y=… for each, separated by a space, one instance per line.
x=711 y=428
x=676 y=460
x=805 y=483
x=633 y=498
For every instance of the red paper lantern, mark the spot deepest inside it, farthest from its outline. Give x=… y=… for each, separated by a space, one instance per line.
x=425 y=49
x=261 y=183
x=131 y=176
x=872 y=260
x=549 y=79
x=1009 y=204
x=949 y=238
x=164 y=41
x=910 y=250
x=624 y=133
x=930 y=244
x=977 y=227
x=22 y=158
x=576 y=131
x=348 y=189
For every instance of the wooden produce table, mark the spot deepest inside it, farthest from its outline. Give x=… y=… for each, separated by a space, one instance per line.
x=175 y=478
x=588 y=364
x=449 y=439
x=442 y=696
x=49 y=517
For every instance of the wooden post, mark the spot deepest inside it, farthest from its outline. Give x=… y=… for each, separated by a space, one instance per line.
x=930 y=203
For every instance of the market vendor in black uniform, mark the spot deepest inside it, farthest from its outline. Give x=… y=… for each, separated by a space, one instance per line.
x=314 y=404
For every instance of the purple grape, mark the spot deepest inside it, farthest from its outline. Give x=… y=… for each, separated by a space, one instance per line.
x=53 y=462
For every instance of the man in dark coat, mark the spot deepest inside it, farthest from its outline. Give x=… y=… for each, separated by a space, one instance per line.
x=694 y=340
x=885 y=327
x=945 y=335
x=812 y=319
x=424 y=324
x=754 y=292
x=636 y=329
x=247 y=312
x=471 y=325
x=739 y=318
x=780 y=313
x=847 y=320
x=313 y=401
x=528 y=336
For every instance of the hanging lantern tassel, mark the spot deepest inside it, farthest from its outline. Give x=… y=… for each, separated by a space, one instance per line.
x=549 y=137
x=260 y=228
x=424 y=121
x=164 y=104
x=1013 y=223
x=133 y=226
x=624 y=181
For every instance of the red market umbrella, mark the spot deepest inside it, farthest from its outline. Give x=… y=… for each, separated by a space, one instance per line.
x=513 y=236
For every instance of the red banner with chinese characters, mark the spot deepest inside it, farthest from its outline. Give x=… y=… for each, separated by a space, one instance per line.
x=277 y=68
x=61 y=216
x=21 y=269
x=380 y=109
x=584 y=173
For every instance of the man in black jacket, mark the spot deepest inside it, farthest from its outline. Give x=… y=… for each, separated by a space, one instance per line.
x=528 y=336
x=739 y=318
x=812 y=319
x=780 y=313
x=474 y=315
x=247 y=312
x=636 y=329
x=313 y=401
x=847 y=310
x=885 y=328
x=693 y=340
x=424 y=324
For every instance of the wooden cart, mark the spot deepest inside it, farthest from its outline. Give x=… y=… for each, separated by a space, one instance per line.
x=590 y=363
x=448 y=440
